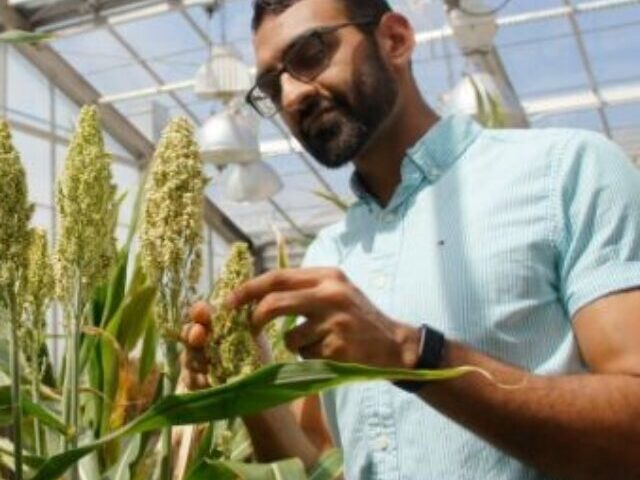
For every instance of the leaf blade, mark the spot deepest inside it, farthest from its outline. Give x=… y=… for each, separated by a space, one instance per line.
x=268 y=387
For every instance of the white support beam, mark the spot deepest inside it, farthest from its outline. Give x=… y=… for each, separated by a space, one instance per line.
x=583 y=100
x=74 y=86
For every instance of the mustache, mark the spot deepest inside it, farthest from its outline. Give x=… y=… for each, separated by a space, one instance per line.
x=315 y=107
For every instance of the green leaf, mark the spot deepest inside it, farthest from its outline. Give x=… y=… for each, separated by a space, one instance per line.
x=266 y=388
x=21 y=36
x=328 y=467
x=133 y=317
x=133 y=453
x=497 y=117
x=291 y=469
x=480 y=101
x=149 y=348
x=203 y=450
x=126 y=327
x=121 y=470
x=33 y=462
x=96 y=380
x=117 y=288
x=107 y=304
x=29 y=409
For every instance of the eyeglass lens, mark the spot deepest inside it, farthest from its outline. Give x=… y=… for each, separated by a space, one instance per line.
x=305 y=60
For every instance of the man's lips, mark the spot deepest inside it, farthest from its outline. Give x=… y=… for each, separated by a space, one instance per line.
x=308 y=122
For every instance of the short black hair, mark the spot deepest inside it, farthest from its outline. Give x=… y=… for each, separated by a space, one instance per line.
x=356 y=9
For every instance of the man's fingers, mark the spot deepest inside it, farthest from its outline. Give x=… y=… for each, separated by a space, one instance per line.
x=197 y=336
x=277 y=304
x=196 y=361
x=280 y=280
x=200 y=313
x=331 y=347
x=196 y=381
x=304 y=336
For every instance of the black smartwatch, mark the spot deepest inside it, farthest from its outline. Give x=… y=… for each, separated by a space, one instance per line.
x=430 y=355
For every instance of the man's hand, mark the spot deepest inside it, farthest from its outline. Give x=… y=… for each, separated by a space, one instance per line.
x=194 y=360
x=195 y=335
x=275 y=433
x=342 y=324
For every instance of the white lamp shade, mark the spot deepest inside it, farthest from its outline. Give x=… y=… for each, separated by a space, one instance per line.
x=223 y=76
x=229 y=137
x=473 y=32
x=252 y=182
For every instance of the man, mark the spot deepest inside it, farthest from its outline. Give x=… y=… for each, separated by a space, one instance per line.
x=519 y=251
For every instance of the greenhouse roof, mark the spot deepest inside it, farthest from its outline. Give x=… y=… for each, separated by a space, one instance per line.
x=572 y=63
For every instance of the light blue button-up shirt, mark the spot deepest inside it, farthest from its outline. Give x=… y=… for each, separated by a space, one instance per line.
x=496 y=238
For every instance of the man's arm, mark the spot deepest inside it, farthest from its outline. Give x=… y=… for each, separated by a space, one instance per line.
x=574 y=427
x=281 y=433
x=571 y=427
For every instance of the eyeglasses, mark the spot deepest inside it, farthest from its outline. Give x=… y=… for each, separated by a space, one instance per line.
x=306 y=58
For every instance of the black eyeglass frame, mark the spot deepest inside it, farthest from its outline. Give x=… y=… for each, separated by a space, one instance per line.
x=319 y=32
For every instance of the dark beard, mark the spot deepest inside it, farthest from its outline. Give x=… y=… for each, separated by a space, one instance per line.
x=336 y=136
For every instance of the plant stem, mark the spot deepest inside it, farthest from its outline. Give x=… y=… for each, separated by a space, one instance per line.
x=72 y=383
x=76 y=325
x=35 y=397
x=16 y=396
x=168 y=387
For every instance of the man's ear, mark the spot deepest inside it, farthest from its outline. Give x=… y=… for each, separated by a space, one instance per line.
x=396 y=38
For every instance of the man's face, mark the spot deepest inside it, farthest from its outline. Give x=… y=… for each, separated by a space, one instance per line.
x=336 y=114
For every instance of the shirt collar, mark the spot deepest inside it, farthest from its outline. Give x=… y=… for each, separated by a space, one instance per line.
x=431 y=156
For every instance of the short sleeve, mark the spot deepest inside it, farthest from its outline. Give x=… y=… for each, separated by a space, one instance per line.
x=598 y=194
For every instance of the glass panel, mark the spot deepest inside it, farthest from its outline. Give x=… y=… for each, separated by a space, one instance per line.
x=36 y=158
x=147 y=38
x=614 y=60
x=66 y=114
x=81 y=52
x=287 y=165
x=588 y=119
x=298 y=191
x=27 y=92
x=127 y=179
x=43 y=218
x=549 y=65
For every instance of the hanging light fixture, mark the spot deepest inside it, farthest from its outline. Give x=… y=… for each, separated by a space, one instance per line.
x=224 y=76
x=250 y=182
x=229 y=139
x=230 y=136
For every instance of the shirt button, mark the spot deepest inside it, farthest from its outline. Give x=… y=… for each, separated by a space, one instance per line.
x=388 y=218
x=382 y=443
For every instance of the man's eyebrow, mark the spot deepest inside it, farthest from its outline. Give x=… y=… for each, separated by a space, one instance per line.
x=295 y=41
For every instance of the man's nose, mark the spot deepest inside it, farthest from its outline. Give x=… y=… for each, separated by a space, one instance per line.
x=295 y=93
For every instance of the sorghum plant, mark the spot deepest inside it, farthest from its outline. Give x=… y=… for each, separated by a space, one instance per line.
x=86 y=248
x=232 y=350
x=38 y=293
x=15 y=212
x=171 y=237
